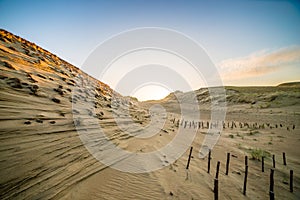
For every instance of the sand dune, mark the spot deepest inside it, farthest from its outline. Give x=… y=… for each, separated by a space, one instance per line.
x=47 y=106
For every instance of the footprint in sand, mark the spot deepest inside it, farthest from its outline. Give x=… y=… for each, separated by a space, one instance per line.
x=7 y=65
x=14 y=82
x=27 y=122
x=29 y=77
x=39 y=121
x=55 y=100
x=34 y=89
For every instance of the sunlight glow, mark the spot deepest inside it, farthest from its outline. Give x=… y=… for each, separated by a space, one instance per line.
x=150 y=92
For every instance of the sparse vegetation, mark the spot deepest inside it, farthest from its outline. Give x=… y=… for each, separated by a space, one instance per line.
x=253 y=132
x=239 y=146
x=257 y=154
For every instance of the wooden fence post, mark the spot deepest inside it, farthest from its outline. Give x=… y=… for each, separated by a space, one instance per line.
x=284 y=159
x=273 y=157
x=190 y=155
x=216 y=182
x=291 y=180
x=262 y=164
x=216 y=189
x=209 y=158
x=272 y=195
x=217 y=171
x=245 y=180
x=227 y=163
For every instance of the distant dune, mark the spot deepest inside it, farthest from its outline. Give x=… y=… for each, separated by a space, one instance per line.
x=48 y=107
x=290 y=84
x=283 y=96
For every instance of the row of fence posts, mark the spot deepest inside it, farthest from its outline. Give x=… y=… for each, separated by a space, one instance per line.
x=216 y=179
x=233 y=124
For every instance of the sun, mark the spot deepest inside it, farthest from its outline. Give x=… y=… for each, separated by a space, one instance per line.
x=150 y=92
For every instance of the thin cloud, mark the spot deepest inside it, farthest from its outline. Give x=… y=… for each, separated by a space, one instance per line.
x=260 y=63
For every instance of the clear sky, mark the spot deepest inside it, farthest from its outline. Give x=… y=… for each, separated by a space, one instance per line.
x=252 y=42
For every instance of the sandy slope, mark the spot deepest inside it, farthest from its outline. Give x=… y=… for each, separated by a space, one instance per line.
x=42 y=155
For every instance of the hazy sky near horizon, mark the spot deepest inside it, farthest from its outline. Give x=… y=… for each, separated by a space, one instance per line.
x=252 y=42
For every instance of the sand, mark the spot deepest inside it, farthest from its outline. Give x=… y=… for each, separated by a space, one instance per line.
x=46 y=104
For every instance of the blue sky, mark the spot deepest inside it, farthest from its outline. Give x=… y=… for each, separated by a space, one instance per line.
x=230 y=31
